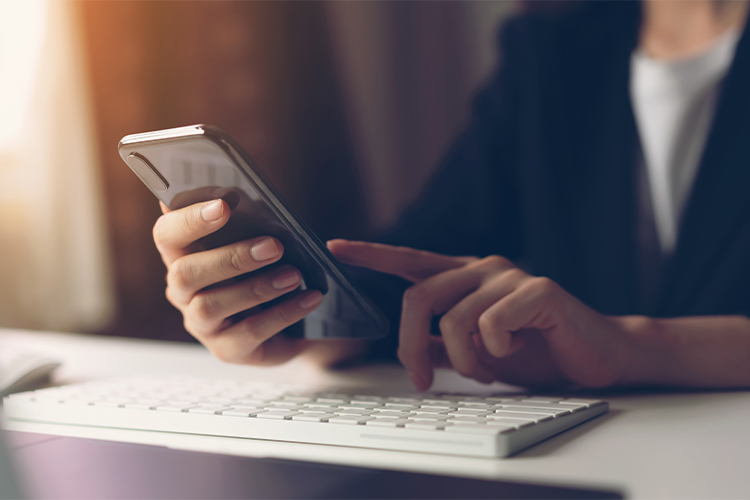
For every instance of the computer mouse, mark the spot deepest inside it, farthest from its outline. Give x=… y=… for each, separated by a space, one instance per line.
x=21 y=370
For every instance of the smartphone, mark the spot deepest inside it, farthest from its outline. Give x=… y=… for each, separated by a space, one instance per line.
x=188 y=165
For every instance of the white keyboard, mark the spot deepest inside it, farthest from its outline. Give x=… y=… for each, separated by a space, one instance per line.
x=454 y=424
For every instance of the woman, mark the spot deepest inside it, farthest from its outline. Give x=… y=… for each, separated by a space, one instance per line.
x=604 y=173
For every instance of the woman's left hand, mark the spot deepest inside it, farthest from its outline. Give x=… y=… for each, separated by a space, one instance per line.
x=498 y=323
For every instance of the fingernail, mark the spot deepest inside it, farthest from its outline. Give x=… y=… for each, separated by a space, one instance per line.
x=264 y=250
x=311 y=300
x=285 y=279
x=212 y=211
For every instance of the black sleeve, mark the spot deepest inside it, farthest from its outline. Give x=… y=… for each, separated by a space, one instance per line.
x=470 y=206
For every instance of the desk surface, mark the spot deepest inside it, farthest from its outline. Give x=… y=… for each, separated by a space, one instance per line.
x=650 y=445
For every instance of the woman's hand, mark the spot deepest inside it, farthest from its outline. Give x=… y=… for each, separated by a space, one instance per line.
x=200 y=283
x=498 y=323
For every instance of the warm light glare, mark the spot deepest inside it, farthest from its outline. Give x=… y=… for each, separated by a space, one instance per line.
x=22 y=31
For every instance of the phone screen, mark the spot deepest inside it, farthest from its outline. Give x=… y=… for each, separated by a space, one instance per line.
x=196 y=168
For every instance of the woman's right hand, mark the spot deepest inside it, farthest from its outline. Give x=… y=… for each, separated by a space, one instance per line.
x=200 y=285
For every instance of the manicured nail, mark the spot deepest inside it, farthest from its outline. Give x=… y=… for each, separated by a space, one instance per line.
x=264 y=250
x=285 y=279
x=311 y=300
x=212 y=211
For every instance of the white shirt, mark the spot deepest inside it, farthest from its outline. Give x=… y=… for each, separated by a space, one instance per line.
x=674 y=104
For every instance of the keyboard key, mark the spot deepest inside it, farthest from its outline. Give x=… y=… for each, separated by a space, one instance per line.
x=394 y=414
x=465 y=412
x=588 y=402
x=333 y=400
x=545 y=399
x=349 y=406
x=408 y=401
x=509 y=422
x=313 y=417
x=574 y=407
x=175 y=408
x=432 y=411
x=536 y=417
x=321 y=405
x=79 y=401
x=477 y=406
x=401 y=406
x=478 y=429
x=278 y=414
x=251 y=401
x=142 y=406
x=427 y=425
x=429 y=417
x=284 y=405
x=468 y=420
x=364 y=403
x=106 y=404
x=530 y=409
x=209 y=410
x=503 y=399
x=342 y=411
x=241 y=413
x=348 y=419
x=541 y=406
x=439 y=405
x=387 y=422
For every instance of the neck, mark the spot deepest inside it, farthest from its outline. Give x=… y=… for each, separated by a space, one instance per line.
x=673 y=29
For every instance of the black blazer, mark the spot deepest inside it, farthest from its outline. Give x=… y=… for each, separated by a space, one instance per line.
x=545 y=174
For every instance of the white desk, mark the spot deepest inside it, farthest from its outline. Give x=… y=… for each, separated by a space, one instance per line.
x=650 y=445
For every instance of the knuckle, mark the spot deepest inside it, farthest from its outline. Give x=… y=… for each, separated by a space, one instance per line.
x=158 y=231
x=415 y=296
x=192 y=219
x=203 y=308
x=170 y=298
x=489 y=322
x=180 y=274
x=448 y=323
x=514 y=274
x=188 y=326
x=543 y=286
x=239 y=258
x=495 y=262
x=286 y=315
x=253 y=292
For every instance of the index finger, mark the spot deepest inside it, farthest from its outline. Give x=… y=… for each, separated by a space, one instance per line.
x=176 y=230
x=408 y=263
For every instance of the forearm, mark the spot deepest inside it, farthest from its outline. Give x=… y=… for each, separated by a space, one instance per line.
x=710 y=351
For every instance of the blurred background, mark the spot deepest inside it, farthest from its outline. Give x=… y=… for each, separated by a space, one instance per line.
x=347 y=107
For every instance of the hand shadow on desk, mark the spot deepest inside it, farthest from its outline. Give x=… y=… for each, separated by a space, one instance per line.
x=552 y=444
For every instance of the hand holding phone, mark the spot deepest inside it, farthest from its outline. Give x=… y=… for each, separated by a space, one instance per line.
x=242 y=266
x=202 y=285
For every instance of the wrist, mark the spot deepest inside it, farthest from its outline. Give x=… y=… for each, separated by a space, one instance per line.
x=643 y=363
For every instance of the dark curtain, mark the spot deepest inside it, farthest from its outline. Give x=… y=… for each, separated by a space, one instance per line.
x=263 y=71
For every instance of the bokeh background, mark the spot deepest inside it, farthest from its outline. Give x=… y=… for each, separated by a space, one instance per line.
x=347 y=106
